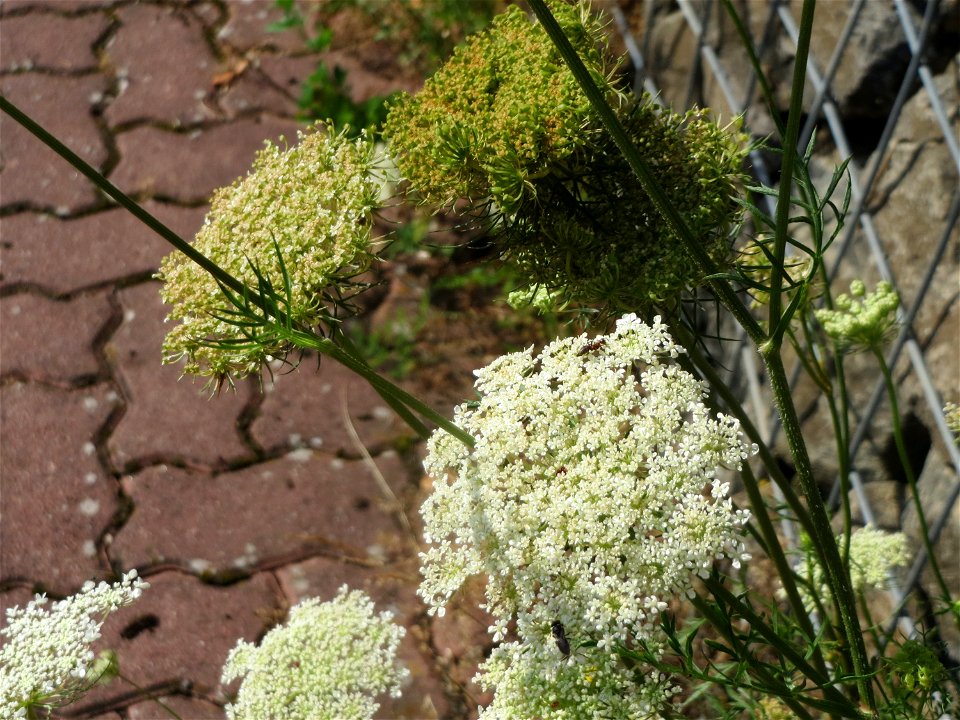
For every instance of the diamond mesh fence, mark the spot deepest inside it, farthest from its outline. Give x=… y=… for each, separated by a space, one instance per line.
x=881 y=88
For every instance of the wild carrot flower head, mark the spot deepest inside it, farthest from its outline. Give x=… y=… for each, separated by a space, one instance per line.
x=862 y=320
x=592 y=494
x=46 y=660
x=502 y=109
x=328 y=662
x=532 y=681
x=313 y=204
x=505 y=125
x=873 y=554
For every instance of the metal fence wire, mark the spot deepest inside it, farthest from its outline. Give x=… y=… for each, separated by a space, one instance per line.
x=882 y=81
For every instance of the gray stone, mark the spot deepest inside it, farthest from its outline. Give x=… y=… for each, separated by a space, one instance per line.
x=875 y=60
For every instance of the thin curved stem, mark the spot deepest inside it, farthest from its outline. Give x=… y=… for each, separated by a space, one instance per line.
x=391 y=393
x=910 y=474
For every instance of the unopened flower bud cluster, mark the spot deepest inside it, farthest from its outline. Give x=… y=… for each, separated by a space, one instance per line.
x=46 y=660
x=505 y=125
x=590 y=498
x=312 y=202
x=862 y=320
x=329 y=661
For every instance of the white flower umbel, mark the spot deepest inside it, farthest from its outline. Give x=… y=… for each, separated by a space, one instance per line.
x=591 y=495
x=873 y=554
x=46 y=660
x=329 y=661
x=592 y=684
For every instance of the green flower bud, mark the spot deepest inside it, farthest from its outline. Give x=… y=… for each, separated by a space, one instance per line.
x=861 y=320
x=505 y=125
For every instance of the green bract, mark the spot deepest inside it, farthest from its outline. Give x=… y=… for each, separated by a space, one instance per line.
x=310 y=205
x=504 y=125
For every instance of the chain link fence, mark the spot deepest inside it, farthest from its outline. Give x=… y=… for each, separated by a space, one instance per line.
x=881 y=88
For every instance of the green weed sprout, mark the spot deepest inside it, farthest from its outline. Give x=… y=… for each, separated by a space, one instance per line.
x=504 y=125
x=300 y=220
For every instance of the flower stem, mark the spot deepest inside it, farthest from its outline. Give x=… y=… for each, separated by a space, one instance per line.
x=910 y=474
x=823 y=540
x=390 y=392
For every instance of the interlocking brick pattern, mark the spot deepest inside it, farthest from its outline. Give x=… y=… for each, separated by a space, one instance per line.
x=233 y=507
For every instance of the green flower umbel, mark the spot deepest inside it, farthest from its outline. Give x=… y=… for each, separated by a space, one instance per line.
x=505 y=125
x=312 y=203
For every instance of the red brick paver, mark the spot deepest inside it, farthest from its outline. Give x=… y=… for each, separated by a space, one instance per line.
x=234 y=507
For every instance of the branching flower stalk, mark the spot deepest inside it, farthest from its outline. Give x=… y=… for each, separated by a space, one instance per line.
x=865 y=321
x=264 y=309
x=768 y=347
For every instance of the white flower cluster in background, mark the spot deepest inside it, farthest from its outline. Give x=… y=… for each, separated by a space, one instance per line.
x=873 y=554
x=46 y=660
x=329 y=661
x=590 y=498
x=531 y=683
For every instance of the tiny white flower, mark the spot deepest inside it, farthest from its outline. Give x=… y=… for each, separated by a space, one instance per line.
x=329 y=661
x=591 y=496
x=45 y=659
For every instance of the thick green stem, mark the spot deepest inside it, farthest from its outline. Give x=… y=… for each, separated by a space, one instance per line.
x=789 y=163
x=823 y=540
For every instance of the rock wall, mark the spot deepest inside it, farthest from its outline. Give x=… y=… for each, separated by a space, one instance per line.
x=910 y=204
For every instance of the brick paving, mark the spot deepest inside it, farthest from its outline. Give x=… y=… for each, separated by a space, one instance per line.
x=235 y=507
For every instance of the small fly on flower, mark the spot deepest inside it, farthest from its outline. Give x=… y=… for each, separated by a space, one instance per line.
x=591 y=346
x=560 y=635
